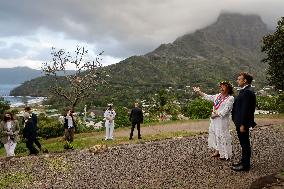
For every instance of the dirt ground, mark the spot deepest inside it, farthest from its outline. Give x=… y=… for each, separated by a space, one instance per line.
x=193 y=126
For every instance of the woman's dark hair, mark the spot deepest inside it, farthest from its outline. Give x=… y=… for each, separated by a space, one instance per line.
x=11 y=115
x=228 y=85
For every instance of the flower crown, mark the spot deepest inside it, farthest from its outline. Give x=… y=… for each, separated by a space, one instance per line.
x=225 y=83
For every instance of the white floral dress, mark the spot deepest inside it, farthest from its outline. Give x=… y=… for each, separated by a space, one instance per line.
x=219 y=134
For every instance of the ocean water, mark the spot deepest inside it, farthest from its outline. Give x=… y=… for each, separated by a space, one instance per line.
x=6 y=88
x=16 y=101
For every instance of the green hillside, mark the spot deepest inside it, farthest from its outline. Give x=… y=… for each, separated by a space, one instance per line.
x=217 y=52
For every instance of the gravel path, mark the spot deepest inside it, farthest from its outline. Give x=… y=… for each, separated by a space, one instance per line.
x=174 y=163
x=191 y=125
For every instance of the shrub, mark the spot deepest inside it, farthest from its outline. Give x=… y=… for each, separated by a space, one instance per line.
x=49 y=127
x=174 y=118
x=81 y=126
x=14 y=111
x=271 y=103
x=266 y=103
x=280 y=103
x=4 y=105
x=21 y=148
x=199 y=109
x=122 y=117
x=150 y=119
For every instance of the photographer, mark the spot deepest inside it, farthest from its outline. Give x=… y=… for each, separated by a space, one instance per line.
x=69 y=128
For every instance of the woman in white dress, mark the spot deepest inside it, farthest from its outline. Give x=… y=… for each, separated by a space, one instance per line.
x=219 y=135
x=9 y=129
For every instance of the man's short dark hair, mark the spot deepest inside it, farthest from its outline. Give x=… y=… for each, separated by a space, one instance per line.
x=28 y=109
x=247 y=76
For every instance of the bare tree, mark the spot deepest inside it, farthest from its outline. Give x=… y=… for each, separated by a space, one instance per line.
x=76 y=86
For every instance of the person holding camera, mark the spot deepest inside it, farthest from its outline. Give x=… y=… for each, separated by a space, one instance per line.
x=9 y=129
x=69 y=129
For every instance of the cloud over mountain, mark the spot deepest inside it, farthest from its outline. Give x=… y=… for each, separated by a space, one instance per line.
x=120 y=28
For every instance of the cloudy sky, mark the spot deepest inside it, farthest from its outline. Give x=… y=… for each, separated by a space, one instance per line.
x=120 y=28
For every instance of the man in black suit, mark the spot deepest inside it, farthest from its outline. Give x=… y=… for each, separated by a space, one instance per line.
x=34 y=120
x=29 y=133
x=243 y=118
x=136 y=117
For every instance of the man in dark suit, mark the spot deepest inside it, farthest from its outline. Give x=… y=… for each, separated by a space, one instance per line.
x=29 y=133
x=136 y=117
x=243 y=118
x=34 y=120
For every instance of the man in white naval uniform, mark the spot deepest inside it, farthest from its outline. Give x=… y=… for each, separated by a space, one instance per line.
x=109 y=124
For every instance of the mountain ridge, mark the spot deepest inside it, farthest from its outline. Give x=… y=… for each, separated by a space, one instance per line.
x=217 y=52
x=18 y=75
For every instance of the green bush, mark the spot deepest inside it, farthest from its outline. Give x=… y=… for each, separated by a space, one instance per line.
x=161 y=106
x=49 y=127
x=270 y=103
x=4 y=105
x=174 y=118
x=122 y=117
x=267 y=103
x=81 y=126
x=14 y=111
x=21 y=148
x=280 y=103
x=199 y=109
x=150 y=119
x=52 y=127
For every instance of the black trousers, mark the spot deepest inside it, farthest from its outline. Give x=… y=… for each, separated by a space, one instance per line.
x=245 y=144
x=37 y=143
x=69 y=134
x=30 y=146
x=133 y=127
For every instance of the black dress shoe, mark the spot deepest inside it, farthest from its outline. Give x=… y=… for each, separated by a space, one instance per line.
x=224 y=159
x=236 y=164
x=241 y=168
x=45 y=151
x=215 y=155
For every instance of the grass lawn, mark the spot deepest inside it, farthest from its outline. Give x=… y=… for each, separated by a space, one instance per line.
x=86 y=140
x=272 y=116
x=14 y=178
